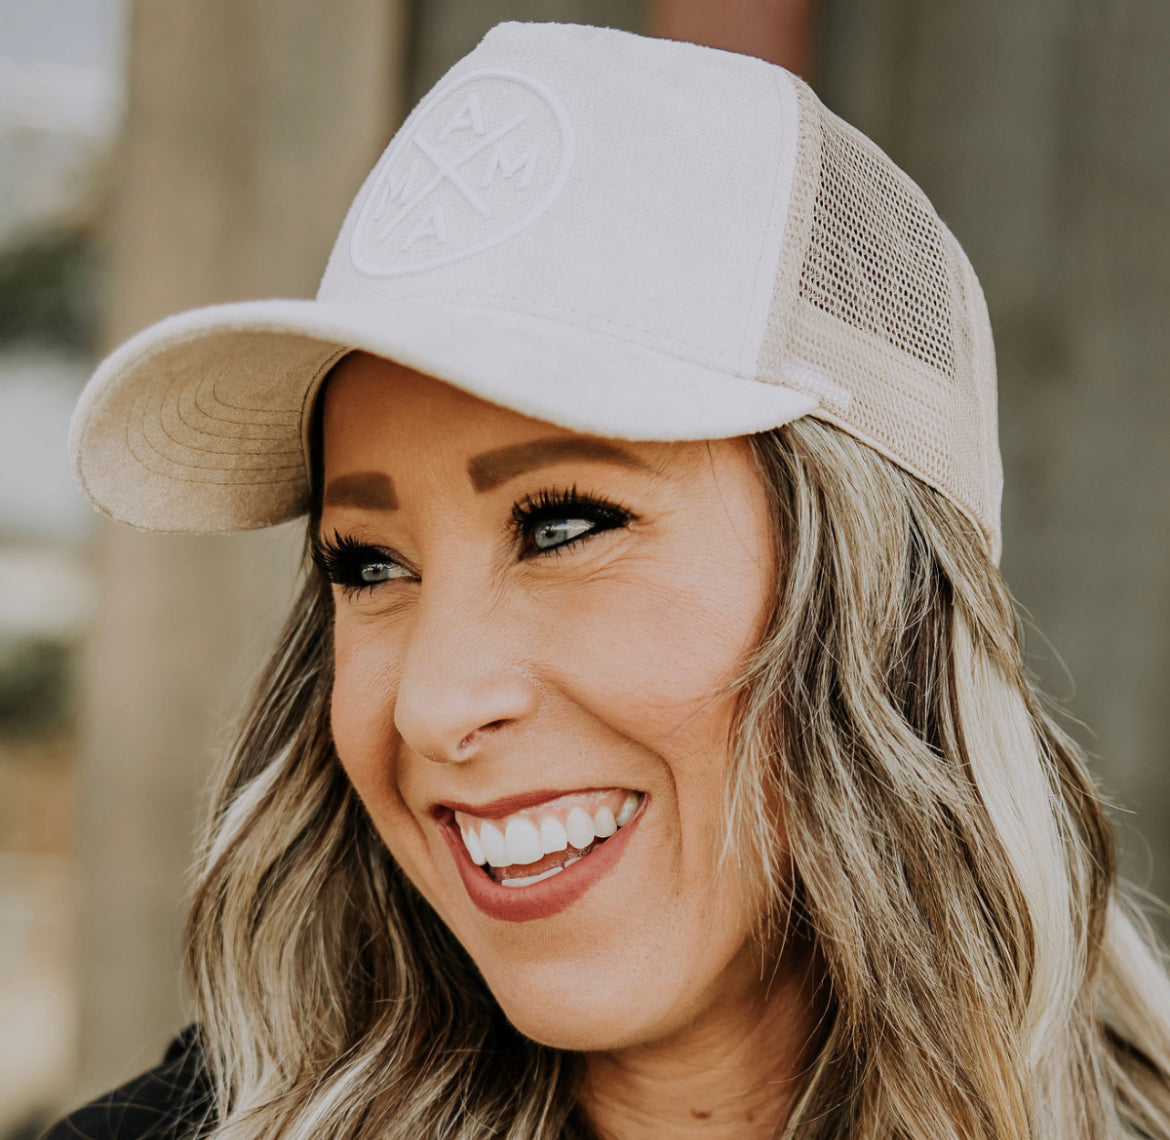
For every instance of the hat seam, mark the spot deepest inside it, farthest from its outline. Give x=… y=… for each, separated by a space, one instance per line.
x=769 y=223
x=175 y=405
x=167 y=464
x=169 y=468
x=209 y=384
x=194 y=396
x=208 y=451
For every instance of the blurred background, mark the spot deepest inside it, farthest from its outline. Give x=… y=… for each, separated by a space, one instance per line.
x=160 y=154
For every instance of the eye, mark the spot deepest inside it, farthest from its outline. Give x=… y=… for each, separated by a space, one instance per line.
x=552 y=520
x=354 y=565
x=550 y=534
x=378 y=571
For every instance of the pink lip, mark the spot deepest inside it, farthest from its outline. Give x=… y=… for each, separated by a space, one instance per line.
x=540 y=900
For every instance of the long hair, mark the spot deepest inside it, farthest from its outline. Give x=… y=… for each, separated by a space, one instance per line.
x=946 y=850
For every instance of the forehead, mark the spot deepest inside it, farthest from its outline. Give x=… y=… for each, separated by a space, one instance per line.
x=375 y=413
x=370 y=405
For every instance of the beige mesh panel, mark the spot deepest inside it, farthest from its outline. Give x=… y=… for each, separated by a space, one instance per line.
x=878 y=313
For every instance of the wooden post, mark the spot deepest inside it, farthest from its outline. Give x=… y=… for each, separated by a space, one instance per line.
x=780 y=31
x=445 y=30
x=251 y=124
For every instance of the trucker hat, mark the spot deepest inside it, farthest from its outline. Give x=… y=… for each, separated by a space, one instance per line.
x=624 y=236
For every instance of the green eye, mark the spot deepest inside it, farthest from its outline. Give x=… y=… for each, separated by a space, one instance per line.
x=549 y=534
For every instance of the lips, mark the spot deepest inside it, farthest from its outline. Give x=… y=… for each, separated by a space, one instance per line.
x=530 y=857
x=546 y=836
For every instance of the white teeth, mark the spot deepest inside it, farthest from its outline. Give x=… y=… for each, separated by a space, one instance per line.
x=553 y=836
x=471 y=842
x=628 y=809
x=491 y=839
x=528 y=880
x=579 y=828
x=523 y=842
x=604 y=825
x=520 y=841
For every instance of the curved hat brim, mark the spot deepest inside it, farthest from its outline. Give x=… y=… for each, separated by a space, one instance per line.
x=199 y=423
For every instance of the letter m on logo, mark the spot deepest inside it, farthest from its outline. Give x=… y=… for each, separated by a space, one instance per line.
x=502 y=162
x=396 y=189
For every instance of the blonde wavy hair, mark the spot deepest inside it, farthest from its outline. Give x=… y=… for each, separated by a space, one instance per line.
x=946 y=850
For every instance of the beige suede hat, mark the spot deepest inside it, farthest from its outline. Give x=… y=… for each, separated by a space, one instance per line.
x=624 y=236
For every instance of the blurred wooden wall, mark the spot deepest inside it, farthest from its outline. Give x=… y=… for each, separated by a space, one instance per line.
x=1039 y=130
x=445 y=30
x=251 y=124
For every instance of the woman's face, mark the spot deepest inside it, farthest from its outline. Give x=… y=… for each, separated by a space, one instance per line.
x=532 y=631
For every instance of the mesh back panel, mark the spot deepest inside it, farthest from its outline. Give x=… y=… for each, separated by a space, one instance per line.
x=878 y=313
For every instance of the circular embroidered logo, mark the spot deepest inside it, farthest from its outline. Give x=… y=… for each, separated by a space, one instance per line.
x=478 y=160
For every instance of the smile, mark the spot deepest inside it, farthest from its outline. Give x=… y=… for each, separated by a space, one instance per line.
x=537 y=858
x=531 y=845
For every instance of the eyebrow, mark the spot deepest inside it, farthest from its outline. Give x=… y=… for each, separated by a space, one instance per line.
x=368 y=490
x=495 y=467
x=374 y=490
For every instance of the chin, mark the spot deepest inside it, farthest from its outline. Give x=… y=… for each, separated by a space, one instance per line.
x=583 y=1026
x=593 y=1007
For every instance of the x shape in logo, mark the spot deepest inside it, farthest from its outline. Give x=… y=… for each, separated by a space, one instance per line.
x=449 y=170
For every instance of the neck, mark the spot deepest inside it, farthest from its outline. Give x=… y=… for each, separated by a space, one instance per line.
x=734 y=1071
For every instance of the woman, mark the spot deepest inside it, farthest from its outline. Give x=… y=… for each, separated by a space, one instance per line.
x=649 y=752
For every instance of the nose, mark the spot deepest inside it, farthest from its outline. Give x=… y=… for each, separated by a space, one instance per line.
x=462 y=682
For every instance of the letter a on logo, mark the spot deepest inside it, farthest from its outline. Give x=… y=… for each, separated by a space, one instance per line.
x=432 y=224
x=469 y=117
x=477 y=161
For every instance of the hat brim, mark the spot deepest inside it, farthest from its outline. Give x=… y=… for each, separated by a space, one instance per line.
x=198 y=424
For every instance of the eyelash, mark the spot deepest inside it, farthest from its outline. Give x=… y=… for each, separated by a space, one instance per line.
x=342 y=558
x=559 y=506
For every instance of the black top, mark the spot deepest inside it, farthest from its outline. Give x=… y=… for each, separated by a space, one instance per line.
x=172 y=1101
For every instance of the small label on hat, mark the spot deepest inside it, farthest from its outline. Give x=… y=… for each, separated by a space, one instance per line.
x=479 y=160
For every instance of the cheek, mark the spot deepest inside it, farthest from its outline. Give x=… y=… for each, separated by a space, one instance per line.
x=367 y=668
x=366 y=673
x=651 y=653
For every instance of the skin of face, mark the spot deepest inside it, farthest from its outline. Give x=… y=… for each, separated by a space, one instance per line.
x=488 y=670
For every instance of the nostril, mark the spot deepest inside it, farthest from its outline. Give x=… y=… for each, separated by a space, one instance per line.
x=472 y=738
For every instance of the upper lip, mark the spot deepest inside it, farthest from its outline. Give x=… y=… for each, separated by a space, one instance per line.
x=506 y=805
